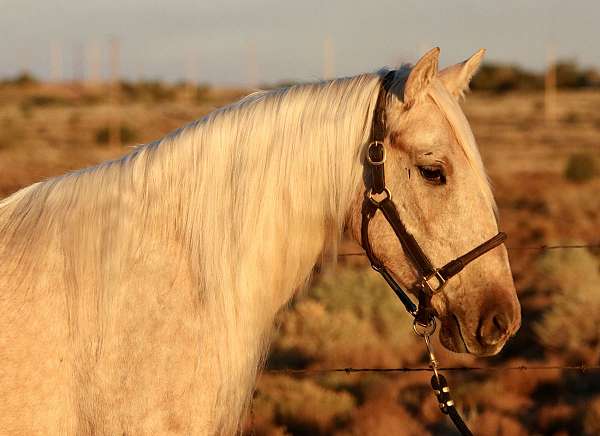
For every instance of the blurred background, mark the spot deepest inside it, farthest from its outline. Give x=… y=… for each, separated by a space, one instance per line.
x=82 y=82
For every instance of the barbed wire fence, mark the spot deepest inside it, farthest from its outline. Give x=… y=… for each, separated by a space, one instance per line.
x=315 y=372
x=509 y=248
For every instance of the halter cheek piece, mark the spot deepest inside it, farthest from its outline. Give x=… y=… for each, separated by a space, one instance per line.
x=430 y=280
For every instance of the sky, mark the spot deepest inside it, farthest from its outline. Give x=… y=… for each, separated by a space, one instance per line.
x=248 y=42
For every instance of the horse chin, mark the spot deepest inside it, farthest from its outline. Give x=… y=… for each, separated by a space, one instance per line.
x=451 y=336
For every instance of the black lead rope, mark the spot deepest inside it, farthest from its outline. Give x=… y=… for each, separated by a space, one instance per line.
x=431 y=280
x=442 y=391
x=439 y=384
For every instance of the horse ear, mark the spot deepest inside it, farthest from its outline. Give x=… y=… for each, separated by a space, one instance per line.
x=457 y=77
x=421 y=76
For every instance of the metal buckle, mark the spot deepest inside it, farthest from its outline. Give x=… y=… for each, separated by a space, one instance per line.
x=369 y=195
x=383 y=157
x=441 y=282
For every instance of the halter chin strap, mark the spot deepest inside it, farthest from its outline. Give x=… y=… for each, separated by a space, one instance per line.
x=430 y=280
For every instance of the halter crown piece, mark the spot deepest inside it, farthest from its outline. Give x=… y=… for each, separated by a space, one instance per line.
x=430 y=280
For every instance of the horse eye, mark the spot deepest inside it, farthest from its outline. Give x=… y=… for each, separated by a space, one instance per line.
x=434 y=175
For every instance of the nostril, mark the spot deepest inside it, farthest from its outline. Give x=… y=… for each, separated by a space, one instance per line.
x=493 y=328
x=501 y=323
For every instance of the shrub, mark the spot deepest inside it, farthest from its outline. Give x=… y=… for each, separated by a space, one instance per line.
x=581 y=167
x=571 y=118
x=45 y=100
x=202 y=93
x=570 y=75
x=128 y=134
x=591 y=421
x=40 y=100
x=505 y=77
x=152 y=91
x=350 y=318
x=495 y=423
x=24 y=78
x=571 y=324
x=502 y=78
x=381 y=417
x=90 y=99
x=302 y=405
x=10 y=134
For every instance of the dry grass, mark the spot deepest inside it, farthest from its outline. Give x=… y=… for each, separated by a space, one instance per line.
x=570 y=326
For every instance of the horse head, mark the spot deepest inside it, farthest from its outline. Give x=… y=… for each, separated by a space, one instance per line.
x=443 y=198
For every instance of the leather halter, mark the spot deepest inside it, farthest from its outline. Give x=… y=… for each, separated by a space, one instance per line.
x=430 y=280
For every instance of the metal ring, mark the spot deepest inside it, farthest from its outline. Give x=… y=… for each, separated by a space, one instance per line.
x=424 y=330
x=378 y=162
x=369 y=195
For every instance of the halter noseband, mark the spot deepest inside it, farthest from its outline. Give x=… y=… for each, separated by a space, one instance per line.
x=430 y=280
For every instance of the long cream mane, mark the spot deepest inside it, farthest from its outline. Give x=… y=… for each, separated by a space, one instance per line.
x=247 y=197
x=231 y=212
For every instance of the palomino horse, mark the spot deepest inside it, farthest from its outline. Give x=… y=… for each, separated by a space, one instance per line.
x=137 y=296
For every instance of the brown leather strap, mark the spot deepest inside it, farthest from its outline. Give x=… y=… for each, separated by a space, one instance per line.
x=376 y=150
x=368 y=212
x=455 y=266
x=413 y=250
x=376 y=158
x=378 y=129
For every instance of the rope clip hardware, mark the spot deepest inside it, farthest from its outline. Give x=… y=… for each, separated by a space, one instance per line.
x=425 y=332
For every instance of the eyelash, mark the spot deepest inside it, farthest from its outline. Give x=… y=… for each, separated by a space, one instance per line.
x=433 y=174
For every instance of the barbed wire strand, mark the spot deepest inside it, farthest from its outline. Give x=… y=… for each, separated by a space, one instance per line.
x=311 y=372
x=525 y=247
x=580 y=368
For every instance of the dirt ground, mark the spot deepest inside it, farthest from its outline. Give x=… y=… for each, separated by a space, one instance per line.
x=47 y=130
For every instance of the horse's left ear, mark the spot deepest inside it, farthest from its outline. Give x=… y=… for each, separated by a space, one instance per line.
x=457 y=77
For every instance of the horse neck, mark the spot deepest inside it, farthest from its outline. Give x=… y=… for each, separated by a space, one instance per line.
x=274 y=181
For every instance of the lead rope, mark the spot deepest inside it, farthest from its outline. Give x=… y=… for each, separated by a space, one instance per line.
x=439 y=384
